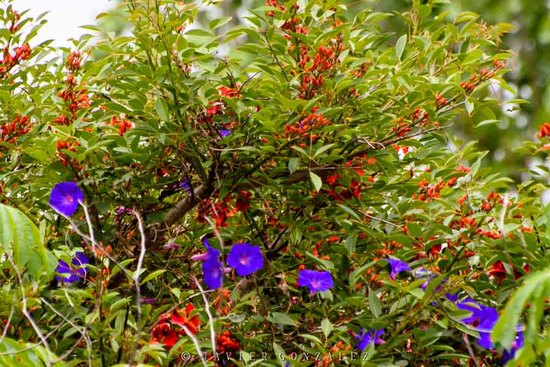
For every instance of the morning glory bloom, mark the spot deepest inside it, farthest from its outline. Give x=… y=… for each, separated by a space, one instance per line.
x=483 y=319
x=245 y=258
x=74 y=272
x=65 y=198
x=224 y=132
x=517 y=344
x=212 y=272
x=212 y=268
x=367 y=338
x=316 y=281
x=397 y=266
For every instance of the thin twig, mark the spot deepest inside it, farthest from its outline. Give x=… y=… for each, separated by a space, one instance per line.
x=81 y=331
x=8 y=323
x=26 y=311
x=210 y=318
x=137 y=273
x=380 y=219
x=470 y=350
x=90 y=227
x=196 y=344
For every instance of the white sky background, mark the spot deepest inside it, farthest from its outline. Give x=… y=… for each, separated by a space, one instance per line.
x=64 y=17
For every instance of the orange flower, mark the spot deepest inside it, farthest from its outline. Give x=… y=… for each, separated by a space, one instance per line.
x=184 y=318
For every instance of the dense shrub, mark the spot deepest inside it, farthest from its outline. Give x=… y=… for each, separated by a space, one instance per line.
x=283 y=192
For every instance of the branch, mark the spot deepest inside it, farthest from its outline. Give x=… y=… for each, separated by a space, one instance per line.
x=207 y=188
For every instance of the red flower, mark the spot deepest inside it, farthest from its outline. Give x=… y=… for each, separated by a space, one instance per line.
x=183 y=318
x=164 y=334
x=226 y=343
x=497 y=270
x=544 y=130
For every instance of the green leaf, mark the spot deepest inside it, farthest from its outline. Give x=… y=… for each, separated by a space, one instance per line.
x=374 y=304
x=20 y=237
x=469 y=105
x=505 y=329
x=162 y=109
x=279 y=353
x=281 y=319
x=326 y=327
x=293 y=164
x=322 y=149
x=153 y=275
x=316 y=181
x=400 y=46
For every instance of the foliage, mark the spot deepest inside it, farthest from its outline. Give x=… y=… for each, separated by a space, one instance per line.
x=286 y=192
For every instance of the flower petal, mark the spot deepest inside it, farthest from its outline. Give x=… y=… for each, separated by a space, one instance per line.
x=65 y=198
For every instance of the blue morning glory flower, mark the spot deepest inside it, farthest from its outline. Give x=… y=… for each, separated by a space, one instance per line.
x=517 y=344
x=212 y=271
x=224 y=132
x=212 y=267
x=316 y=281
x=74 y=272
x=367 y=338
x=245 y=258
x=483 y=319
x=65 y=198
x=397 y=266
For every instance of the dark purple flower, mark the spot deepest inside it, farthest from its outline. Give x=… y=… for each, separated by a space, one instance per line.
x=171 y=246
x=397 y=266
x=483 y=319
x=212 y=268
x=245 y=258
x=224 y=132
x=74 y=272
x=148 y=301
x=212 y=271
x=316 y=281
x=452 y=297
x=184 y=184
x=517 y=344
x=65 y=198
x=367 y=338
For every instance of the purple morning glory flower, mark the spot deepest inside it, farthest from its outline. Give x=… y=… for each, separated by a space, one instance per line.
x=397 y=266
x=184 y=184
x=212 y=271
x=224 y=132
x=65 y=198
x=316 y=281
x=483 y=318
x=517 y=344
x=74 y=272
x=367 y=338
x=245 y=258
x=212 y=268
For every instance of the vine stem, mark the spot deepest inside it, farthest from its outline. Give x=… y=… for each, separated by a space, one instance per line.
x=135 y=278
x=25 y=310
x=196 y=344
x=210 y=318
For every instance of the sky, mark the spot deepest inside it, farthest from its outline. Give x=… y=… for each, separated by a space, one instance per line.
x=64 y=18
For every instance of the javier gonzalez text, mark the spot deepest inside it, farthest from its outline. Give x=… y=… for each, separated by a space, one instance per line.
x=255 y=356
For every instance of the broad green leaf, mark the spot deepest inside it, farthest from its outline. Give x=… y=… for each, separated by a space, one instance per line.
x=162 y=109
x=20 y=237
x=316 y=181
x=374 y=304
x=400 y=46
x=153 y=275
x=326 y=327
x=505 y=329
x=281 y=318
x=293 y=164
